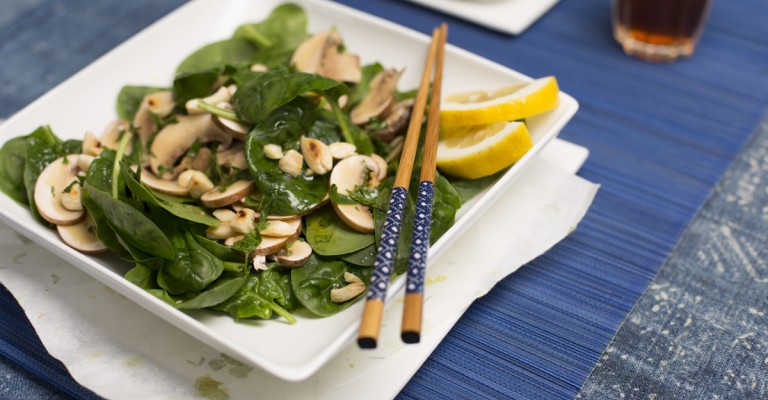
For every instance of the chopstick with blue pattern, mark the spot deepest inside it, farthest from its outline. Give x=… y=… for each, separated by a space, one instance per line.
x=417 y=260
x=370 y=325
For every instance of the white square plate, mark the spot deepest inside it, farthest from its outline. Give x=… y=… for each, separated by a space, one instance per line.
x=86 y=102
x=508 y=16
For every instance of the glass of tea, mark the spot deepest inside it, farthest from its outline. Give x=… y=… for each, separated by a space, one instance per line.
x=659 y=30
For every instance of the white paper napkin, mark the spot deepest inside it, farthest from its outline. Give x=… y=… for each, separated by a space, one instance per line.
x=121 y=351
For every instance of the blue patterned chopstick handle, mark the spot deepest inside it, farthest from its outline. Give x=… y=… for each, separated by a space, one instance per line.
x=417 y=261
x=385 y=257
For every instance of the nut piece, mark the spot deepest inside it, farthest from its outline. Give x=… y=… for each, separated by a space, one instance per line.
x=352 y=290
x=260 y=262
x=91 y=144
x=317 y=155
x=71 y=200
x=277 y=229
x=259 y=68
x=230 y=241
x=273 y=151
x=291 y=163
x=196 y=181
x=244 y=222
x=221 y=232
x=342 y=150
x=224 y=214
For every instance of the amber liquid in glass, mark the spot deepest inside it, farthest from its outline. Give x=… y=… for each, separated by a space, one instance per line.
x=659 y=30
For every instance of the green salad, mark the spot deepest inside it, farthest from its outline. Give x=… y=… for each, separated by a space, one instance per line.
x=256 y=184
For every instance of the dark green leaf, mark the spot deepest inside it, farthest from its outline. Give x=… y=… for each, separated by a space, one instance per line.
x=329 y=235
x=216 y=293
x=313 y=283
x=129 y=99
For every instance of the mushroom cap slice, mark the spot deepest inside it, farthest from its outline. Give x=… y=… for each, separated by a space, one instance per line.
x=271 y=245
x=343 y=67
x=347 y=174
x=382 y=163
x=82 y=236
x=380 y=97
x=232 y=128
x=176 y=139
x=112 y=134
x=216 y=198
x=162 y=185
x=299 y=254
x=308 y=57
x=161 y=103
x=233 y=156
x=50 y=184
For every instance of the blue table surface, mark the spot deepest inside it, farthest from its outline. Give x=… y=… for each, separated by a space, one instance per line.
x=660 y=136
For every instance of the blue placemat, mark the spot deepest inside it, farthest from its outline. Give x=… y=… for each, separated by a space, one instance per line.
x=660 y=137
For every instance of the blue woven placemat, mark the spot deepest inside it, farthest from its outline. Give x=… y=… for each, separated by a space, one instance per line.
x=660 y=137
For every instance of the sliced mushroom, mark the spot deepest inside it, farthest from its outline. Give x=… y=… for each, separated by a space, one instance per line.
x=271 y=245
x=162 y=185
x=341 y=67
x=56 y=177
x=237 y=130
x=216 y=197
x=382 y=166
x=354 y=287
x=308 y=57
x=222 y=232
x=82 y=236
x=349 y=173
x=176 y=139
x=396 y=120
x=277 y=228
x=380 y=97
x=159 y=103
x=112 y=134
x=233 y=156
x=317 y=155
x=84 y=162
x=297 y=255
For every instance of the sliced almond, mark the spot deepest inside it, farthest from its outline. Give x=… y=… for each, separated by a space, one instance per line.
x=350 y=291
x=273 y=151
x=291 y=163
x=317 y=155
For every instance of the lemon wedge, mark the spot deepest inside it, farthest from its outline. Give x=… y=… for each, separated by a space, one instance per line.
x=506 y=104
x=483 y=150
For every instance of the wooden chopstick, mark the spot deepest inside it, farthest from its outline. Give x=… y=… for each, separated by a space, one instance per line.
x=370 y=325
x=417 y=260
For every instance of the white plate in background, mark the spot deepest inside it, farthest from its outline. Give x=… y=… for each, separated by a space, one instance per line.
x=86 y=102
x=508 y=16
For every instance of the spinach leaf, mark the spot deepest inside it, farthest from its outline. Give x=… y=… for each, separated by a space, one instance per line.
x=39 y=155
x=277 y=36
x=220 y=251
x=193 y=85
x=142 y=276
x=191 y=268
x=329 y=235
x=256 y=99
x=72 y=146
x=13 y=157
x=129 y=99
x=233 y=51
x=282 y=193
x=446 y=202
x=469 y=188
x=313 y=283
x=216 y=293
x=130 y=225
x=264 y=293
x=363 y=257
x=187 y=212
